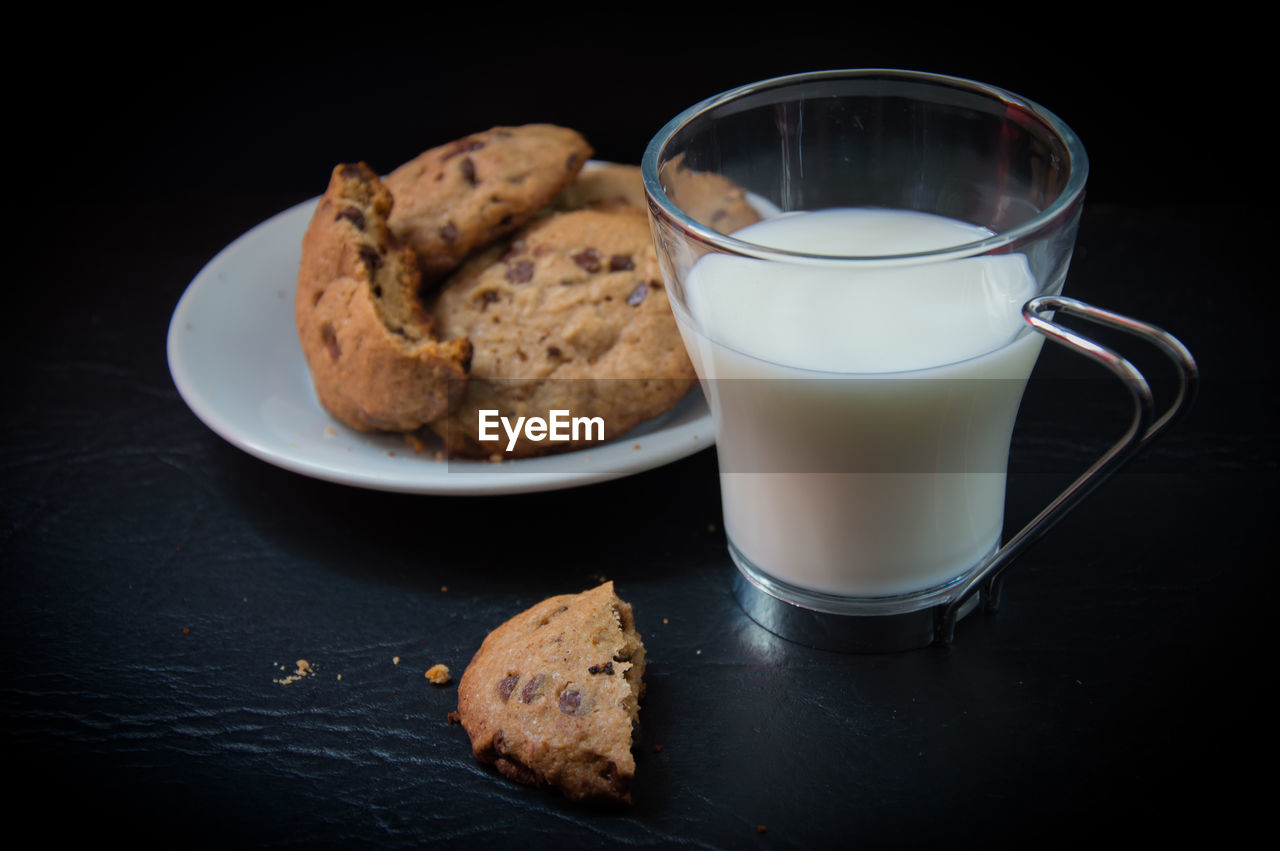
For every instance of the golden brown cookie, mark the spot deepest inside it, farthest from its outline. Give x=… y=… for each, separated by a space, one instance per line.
x=707 y=197
x=369 y=343
x=551 y=696
x=458 y=197
x=570 y=315
x=603 y=184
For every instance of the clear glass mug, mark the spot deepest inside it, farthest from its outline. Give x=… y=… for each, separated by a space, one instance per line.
x=865 y=347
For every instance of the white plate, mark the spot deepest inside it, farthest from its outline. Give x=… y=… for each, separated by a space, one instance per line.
x=234 y=355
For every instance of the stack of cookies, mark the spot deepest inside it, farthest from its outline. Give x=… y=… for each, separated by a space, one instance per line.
x=492 y=273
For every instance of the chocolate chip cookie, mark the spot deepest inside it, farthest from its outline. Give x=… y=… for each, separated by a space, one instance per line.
x=603 y=184
x=551 y=696
x=369 y=342
x=571 y=315
x=458 y=197
x=708 y=197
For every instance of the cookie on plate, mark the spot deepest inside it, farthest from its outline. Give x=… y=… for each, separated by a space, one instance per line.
x=602 y=184
x=551 y=696
x=455 y=198
x=370 y=345
x=708 y=197
x=569 y=315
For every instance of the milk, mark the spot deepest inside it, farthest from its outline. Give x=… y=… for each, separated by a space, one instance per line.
x=863 y=416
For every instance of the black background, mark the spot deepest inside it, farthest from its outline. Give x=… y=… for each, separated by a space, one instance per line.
x=1119 y=690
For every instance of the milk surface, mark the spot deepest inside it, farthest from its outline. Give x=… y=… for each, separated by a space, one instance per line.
x=863 y=414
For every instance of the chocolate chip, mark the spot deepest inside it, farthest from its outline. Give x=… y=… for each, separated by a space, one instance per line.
x=718 y=215
x=521 y=272
x=506 y=685
x=530 y=690
x=553 y=351
x=606 y=668
x=638 y=294
x=469 y=170
x=449 y=233
x=487 y=298
x=620 y=263
x=330 y=339
x=619 y=783
x=513 y=251
x=372 y=259
x=588 y=259
x=353 y=215
x=570 y=702
x=377 y=291
x=572 y=162
x=462 y=146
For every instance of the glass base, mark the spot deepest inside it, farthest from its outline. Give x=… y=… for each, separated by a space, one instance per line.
x=846 y=624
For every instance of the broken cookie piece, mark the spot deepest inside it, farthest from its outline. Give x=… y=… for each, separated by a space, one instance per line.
x=369 y=343
x=552 y=695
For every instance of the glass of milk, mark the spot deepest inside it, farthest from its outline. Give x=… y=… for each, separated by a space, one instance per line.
x=863 y=347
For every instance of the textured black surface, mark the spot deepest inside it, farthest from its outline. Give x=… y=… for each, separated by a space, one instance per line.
x=155 y=578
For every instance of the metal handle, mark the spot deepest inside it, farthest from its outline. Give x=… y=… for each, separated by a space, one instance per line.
x=1140 y=432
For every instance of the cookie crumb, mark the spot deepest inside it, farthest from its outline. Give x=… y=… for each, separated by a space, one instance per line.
x=711 y=527
x=415 y=442
x=186 y=630
x=444 y=588
x=657 y=748
x=454 y=718
x=303 y=669
x=760 y=828
x=395 y=660
x=339 y=676
x=664 y=620
x=438 y=674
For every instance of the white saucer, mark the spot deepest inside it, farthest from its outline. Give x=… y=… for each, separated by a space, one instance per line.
x=234 y=356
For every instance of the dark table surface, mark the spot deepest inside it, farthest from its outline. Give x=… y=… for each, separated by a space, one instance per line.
x=159 y=582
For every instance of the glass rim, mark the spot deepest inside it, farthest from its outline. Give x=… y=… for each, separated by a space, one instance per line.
x=659 y=202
